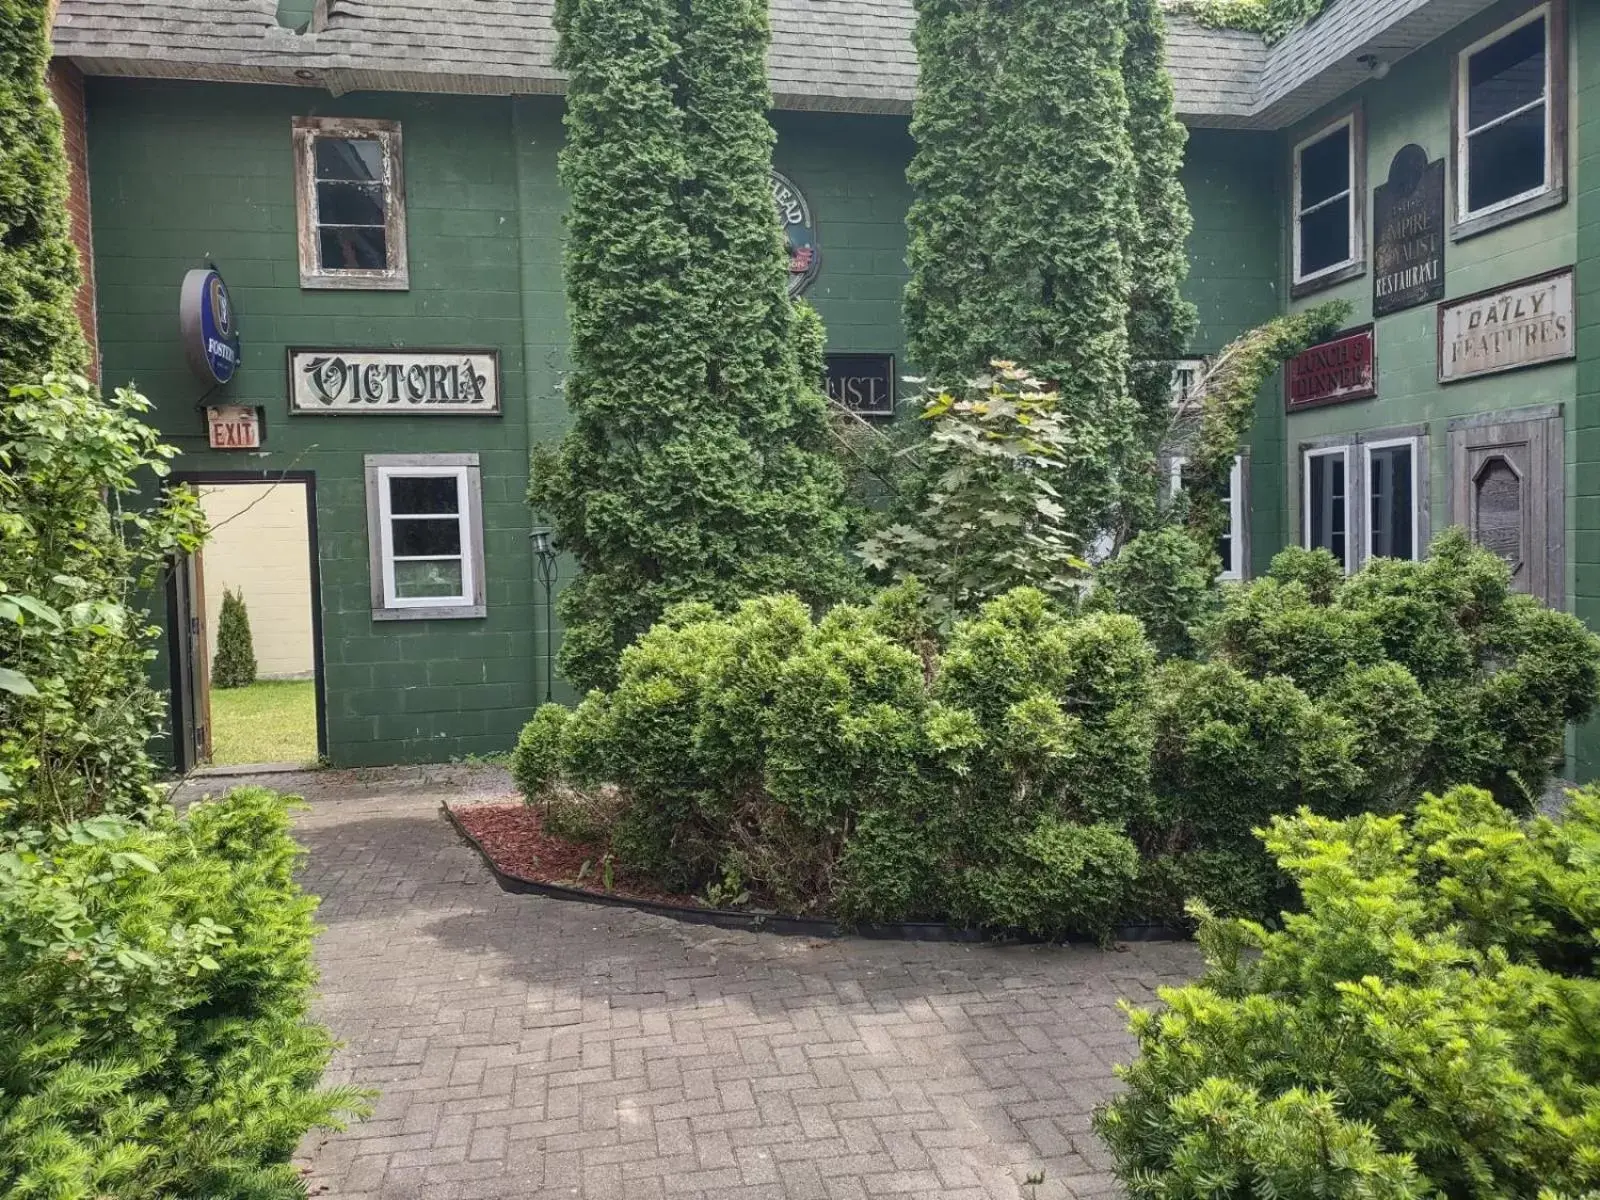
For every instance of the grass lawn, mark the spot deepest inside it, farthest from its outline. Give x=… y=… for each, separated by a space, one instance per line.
x=269 y=721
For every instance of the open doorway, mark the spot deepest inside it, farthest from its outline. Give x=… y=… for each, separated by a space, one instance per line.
x=246 y=627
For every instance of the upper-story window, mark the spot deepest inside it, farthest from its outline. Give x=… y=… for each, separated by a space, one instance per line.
x=1510 y=120
x=351 y=203
x=1329 y=179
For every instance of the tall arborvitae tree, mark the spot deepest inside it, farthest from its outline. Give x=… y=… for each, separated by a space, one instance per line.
x=1024 y=181
x=1160 y=320
x=38 y=267
x=696 y=465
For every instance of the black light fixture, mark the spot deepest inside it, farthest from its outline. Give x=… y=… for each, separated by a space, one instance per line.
x=544 y=567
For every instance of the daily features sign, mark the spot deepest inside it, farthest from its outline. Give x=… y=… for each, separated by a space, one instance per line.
x=1522 y=324
x=417 y=383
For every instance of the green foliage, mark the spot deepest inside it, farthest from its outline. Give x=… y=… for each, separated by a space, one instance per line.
x=76 y=708
x=1160 y=320
x=1043 y=769
x=536 y=761
x=696 y=465
x=1018 y=478
x=1272 y=19
x=1425 y=1027
x=39 y=330
x=1500 y=675
x=1057 y=876
x=1165 y=578
x=1226 y=396
x=155 y=983
x=235 y=663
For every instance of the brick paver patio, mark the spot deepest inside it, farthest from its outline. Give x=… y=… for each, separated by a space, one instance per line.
x=533 y=1048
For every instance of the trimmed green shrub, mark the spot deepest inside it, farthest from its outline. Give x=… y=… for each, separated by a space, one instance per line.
x=155 y=984
x=536 y=761
x=1166 y=579
x=39 y=276
x=235 y=663
x=1041 y=769
x=696 y=465
x=1425 y=1027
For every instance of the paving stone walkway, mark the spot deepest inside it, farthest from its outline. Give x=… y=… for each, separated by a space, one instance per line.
x=537 y=1049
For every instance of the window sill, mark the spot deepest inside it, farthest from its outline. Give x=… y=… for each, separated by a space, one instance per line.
x=1471 y=227
x=1317 y=283
x=448 y=612
x=356 y=283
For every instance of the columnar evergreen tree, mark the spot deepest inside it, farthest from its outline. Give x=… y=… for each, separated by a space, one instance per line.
x=235 y=664
x=38 y=266
x=1160 y=320
x=1021 y=233
x=695 y=467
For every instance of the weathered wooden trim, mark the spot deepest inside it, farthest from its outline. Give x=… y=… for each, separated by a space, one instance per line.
x=396 y=277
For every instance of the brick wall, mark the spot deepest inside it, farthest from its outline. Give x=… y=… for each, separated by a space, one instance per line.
x=66 y=86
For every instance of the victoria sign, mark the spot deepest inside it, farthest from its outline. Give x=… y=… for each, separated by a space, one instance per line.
x=418 y=383
x=1342 y=368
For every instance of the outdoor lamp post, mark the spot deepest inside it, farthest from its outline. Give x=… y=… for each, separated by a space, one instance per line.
x=544 y=566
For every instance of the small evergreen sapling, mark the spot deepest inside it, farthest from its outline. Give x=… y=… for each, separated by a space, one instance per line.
x=235 y=664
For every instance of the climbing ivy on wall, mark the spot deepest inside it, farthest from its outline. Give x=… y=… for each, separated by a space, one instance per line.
x=695 y=465
x=1227 y=399
x=1024 y=200
x=1160 y=320
x=38 y=266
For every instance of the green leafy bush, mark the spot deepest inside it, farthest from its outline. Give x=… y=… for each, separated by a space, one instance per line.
x=1017 y=481
x=155 y=980
x=1425 y=1027
x=76 y=708
x=235 y=663
x=1166 y=579
x=1042 y=768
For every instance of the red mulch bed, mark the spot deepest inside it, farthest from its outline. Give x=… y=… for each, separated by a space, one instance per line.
x=515 y=839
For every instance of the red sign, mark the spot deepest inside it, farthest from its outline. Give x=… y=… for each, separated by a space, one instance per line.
x=1342 y=368
x=234 y=427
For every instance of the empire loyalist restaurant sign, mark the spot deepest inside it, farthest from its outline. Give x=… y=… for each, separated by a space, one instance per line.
x=1340 y=369
x=418 y=383
x=1522 y=324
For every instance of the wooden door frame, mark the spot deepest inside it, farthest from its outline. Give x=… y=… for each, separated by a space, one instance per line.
x=307 y=479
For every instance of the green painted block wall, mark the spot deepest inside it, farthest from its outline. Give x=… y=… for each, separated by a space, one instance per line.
x=184 y=173
x=1233 y=184
x=181 y=173
x=1585 y=574
x=1413 y=105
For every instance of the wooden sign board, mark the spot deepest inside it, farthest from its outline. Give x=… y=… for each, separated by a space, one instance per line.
x=233 y=427
x=1523 y=324
x=863 y=383
x=1408 y=233
x=409 y=383
x=1343 y=368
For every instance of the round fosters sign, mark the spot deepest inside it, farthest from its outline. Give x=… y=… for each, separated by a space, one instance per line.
x=794 y=214
x=210 y=333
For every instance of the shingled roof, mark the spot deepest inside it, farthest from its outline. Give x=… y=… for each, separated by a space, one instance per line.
x=840 y=55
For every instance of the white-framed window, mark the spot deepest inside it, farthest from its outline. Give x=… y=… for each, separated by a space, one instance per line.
x=350 y=203
x=1325 y=520
x=1510 y=115
x=1233 y=544
x=1329 y=183
x=1186 y=376
x=1365 y=495
x=425 y=534
x=1392 y=478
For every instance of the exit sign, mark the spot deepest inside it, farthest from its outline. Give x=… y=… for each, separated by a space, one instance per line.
x=234 y=427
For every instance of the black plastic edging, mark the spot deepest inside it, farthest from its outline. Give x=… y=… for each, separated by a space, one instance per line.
x=728 y=918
